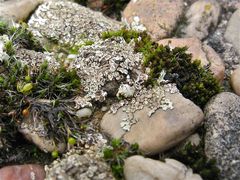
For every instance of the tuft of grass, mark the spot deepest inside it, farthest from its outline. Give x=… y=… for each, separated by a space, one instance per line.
x=194 y=82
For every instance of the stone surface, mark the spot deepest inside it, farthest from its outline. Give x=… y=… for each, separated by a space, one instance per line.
x=17 y=10
x=75 y=165
x=20 y=172
x=202 y=16
x=138 y=167
x=162 y=130
x=235 y=81
x=69 y=23
x=232 y=33
x=222 y=137
x=84 y=113
x=159 y=17
x=199 y=51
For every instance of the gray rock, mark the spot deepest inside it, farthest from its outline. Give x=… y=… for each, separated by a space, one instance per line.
x=202 y=15
x=158 y=17
x=158 y=132
x=69 y=23
x=222 y=138
x=138 y=167
x=232 y=33
x=17 y=10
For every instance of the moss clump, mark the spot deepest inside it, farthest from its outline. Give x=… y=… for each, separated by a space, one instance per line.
x=117 y=153
x=194 y=82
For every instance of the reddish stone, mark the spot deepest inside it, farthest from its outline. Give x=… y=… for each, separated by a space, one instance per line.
x=22 y=172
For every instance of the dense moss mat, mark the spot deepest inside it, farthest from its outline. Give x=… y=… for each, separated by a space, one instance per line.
x=194 y=81
x=117 y=153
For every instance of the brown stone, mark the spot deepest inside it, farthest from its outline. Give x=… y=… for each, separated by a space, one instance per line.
x=22 y=172
x=158 y=16
x=162 y=130
x=199 y=51
x=235 y=81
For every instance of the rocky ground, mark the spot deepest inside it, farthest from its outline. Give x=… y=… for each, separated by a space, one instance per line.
x=86 y=96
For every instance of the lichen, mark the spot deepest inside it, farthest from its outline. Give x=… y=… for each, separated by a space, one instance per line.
x=193 y=81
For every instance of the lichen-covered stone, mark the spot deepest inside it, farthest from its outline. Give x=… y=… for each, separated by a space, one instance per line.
x=202 y=52
x=222 y=137
x=69 y=23
x=158 y=17
x=160 y=131
x=75 y=165
x=202 y=16
x=232 y=34
x=138 y=167
x=104 y=66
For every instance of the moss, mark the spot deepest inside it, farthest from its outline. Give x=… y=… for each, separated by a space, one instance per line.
x=194 y=82
x=117 y=153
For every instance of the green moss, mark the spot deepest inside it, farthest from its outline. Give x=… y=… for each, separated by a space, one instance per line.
x=194 y=82
x=117 y=153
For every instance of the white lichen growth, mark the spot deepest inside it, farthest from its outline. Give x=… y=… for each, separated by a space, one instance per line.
x=135 y=24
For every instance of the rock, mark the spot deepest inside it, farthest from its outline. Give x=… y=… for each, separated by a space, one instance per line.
x=232 y=34
x=222 y=137
x=202 y=16
x=159 y=17
x=18 y=10
x=160 y=131
x=235 y=81
x=19 y=172
x=199 y=51
x=76 y=166
x=138 y=167
x=84 y=113
x=69 y=23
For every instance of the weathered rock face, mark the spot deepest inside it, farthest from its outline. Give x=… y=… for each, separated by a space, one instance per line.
x=158 y=17
x=235 y=81
x=201 y=52
x=160 y=131
x=17 y=10
x=202 y=15
x=232 y=33
x=138 y=167
x=69 y=23
x=77 y=166
x=19 y=172
x=222 y=138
